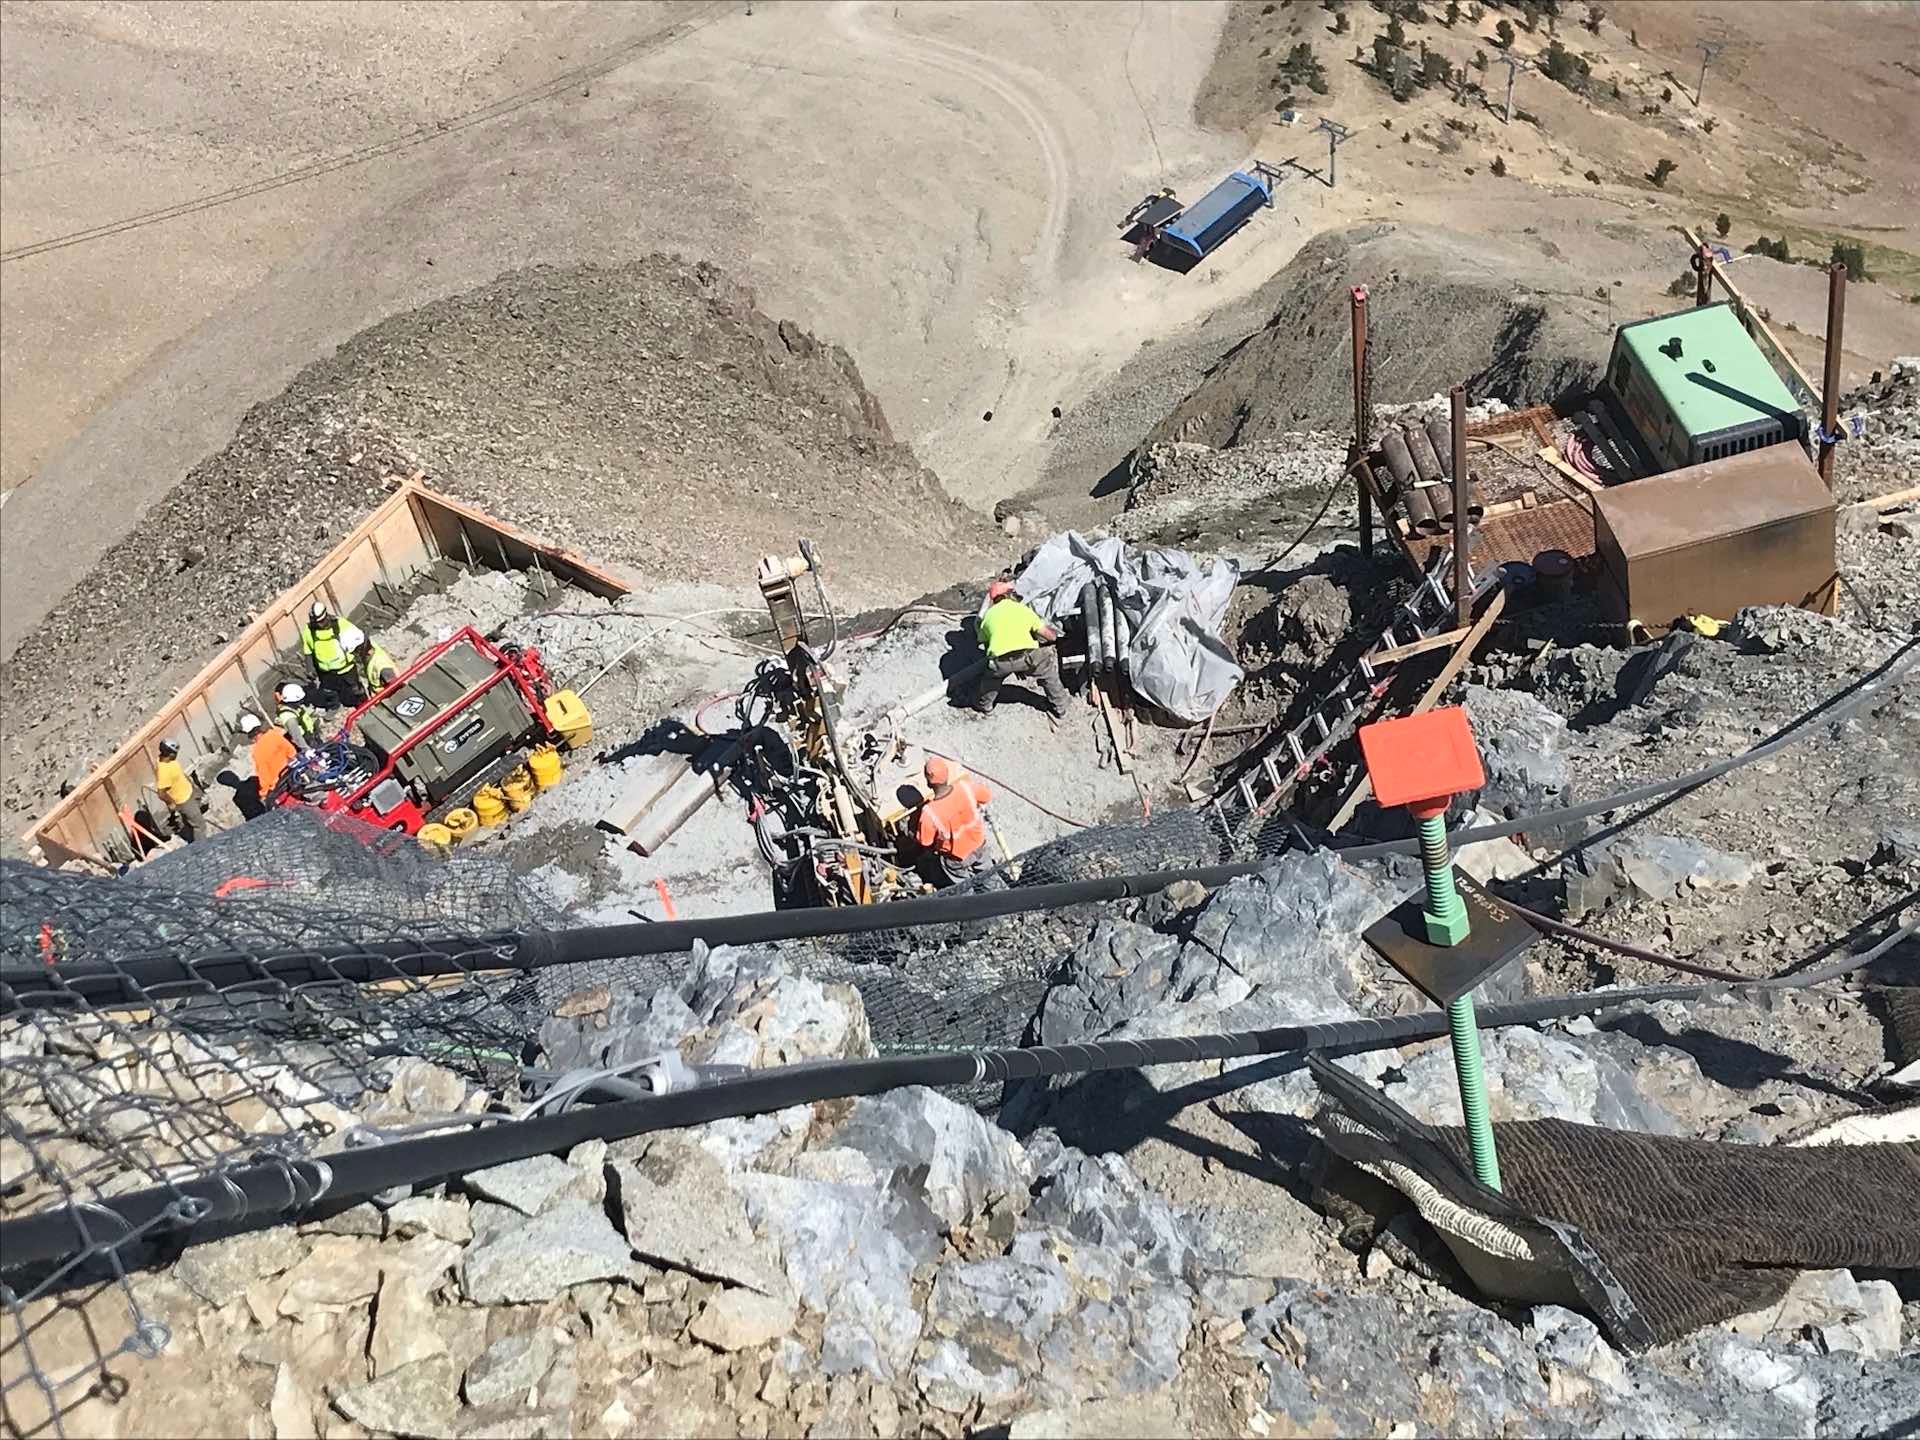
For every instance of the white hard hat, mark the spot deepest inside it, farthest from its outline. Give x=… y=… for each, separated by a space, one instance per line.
x=351 y=635
x=293 y=692
x=318 y=610
x=249 y=722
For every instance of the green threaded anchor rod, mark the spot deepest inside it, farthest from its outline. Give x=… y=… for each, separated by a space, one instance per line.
x=1422 y=762
x=1465 y=1032
x=1447 y=924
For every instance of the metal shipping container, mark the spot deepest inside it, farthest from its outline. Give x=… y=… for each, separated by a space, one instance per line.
x=1206 y=223
x=1752 y=529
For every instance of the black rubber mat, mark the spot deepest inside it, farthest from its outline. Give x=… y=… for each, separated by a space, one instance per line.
x=1902 y=1007
x=1661 y=1236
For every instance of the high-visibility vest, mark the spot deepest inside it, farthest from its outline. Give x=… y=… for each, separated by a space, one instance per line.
x=1009 y=627
x=377 y=663
x=323 y=644
x=305 y=716
x=951 y=824
x=271 y=751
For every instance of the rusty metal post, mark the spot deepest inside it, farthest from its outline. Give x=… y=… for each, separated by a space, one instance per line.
x=1830 y=382
x=1358 y=449
x=1462 y=583
x=1703 y=282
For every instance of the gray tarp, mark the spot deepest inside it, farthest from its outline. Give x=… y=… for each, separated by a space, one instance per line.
x=1177 y=659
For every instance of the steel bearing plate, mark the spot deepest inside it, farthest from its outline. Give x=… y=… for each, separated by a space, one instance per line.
x=1444 y=973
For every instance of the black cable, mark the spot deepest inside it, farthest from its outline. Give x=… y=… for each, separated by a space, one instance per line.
x=132 y=982
x=289 y=1186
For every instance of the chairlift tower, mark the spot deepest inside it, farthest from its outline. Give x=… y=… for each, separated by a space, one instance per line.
x=1513 y=64
x=1709 y=49
x=1337 y=135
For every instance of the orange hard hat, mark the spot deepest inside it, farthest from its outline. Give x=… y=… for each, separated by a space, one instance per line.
x=999 y=589
x=937 y=771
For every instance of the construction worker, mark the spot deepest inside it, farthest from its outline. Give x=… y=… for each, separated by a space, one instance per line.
x=178 y=793
x=271 y=750
x=297 y=720
x=321 y=643
x=950 y=826
x=1017 y=642
x=373 y=666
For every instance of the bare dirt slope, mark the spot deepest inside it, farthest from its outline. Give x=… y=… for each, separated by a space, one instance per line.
x=649 y=411
x=931 y=186
x=1445 y=309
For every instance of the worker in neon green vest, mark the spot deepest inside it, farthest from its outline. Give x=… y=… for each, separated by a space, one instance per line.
x=1018 y=642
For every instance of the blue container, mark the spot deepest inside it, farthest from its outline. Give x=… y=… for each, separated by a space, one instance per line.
x=1205 y=225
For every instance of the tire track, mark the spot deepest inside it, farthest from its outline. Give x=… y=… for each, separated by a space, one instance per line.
x=984 y=74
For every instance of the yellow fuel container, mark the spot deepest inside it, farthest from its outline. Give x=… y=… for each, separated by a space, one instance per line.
x=460 y=823
x=489 y=805
x=435 y=838
x=567 y=714
x=544 y=762
x=517 y=788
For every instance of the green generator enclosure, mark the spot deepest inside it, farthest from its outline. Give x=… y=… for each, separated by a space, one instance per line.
x=1695 y=388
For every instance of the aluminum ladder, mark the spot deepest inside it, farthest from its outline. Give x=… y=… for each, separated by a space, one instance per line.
x=1286 y=757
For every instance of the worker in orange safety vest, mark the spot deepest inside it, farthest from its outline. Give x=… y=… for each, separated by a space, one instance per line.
x=950 y=826
x=270 y=750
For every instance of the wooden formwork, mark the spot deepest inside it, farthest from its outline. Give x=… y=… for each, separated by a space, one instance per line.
x=392 y=549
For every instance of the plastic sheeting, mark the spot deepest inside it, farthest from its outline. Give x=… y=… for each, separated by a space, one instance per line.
x=1176 y=658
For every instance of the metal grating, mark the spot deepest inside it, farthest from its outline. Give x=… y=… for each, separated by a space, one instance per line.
x=1520 y=535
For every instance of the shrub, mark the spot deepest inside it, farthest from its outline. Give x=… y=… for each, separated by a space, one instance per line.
x=1594 y=176
x=1722 y=223
x=1396 y=32
x=1340 y=23
x=1853 y=255
x=1434 y=69
x=1452 y=16
x=1594 y=16
x=1479 y=59
x=1708 y=124
x=1772 y=249
x=1661 y=170
x=1499 y=165
x=1666 y=94
x=1503 y=34
x=1563 y=66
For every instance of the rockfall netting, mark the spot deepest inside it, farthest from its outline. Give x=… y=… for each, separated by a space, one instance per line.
x=264 y=1002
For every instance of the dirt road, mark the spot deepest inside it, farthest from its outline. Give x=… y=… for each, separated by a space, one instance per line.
x=932 y=186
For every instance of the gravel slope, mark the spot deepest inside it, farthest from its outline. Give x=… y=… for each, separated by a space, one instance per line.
x=649 y=414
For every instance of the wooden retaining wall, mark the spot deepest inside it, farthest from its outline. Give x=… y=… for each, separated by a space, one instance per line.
x=394 y=548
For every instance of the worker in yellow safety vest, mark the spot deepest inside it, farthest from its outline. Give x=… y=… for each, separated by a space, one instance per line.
x=1017 y=642
x=297 y=720
x=374 y=666
x=178 y=794
x=321 y=642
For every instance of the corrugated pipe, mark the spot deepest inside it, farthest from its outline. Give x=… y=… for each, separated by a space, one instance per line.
x=290 y=1188
x=1090 y=618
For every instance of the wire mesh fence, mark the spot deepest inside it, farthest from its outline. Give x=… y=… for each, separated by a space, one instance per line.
x=294 y=1017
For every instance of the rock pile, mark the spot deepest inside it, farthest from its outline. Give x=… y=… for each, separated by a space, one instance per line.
x=900 y=1264
x=649 y=414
